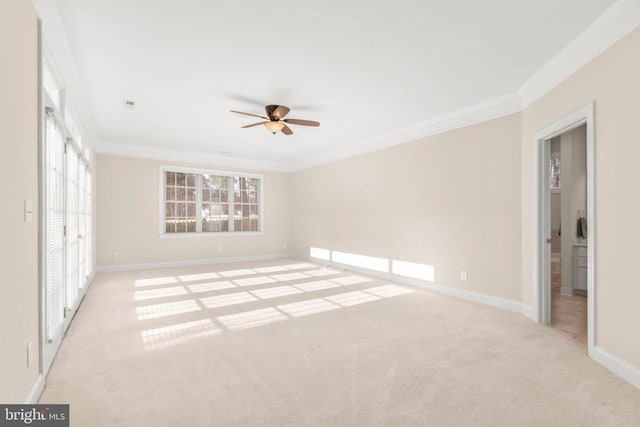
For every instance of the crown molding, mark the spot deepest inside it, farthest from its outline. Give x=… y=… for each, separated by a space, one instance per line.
x=617 y=21
x=478 y=113
x=164 y=154
x=621 y=18
x=491 y=109
x=58 y=52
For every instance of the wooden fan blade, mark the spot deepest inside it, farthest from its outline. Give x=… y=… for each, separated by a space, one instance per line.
x=280 y=112
x=249 y=114
x=254 y=124
x=287 y=130
x=302 y=122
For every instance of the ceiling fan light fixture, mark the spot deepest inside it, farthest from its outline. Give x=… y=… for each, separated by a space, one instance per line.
x=274 y=127
x=274 y=120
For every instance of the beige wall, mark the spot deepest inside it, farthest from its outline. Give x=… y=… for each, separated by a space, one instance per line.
x=439 y=201
x=19 y=316
x=450 y=200
x=611 y=80
x=128 y=218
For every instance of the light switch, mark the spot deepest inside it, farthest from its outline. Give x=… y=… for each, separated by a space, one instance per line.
x=28 y=211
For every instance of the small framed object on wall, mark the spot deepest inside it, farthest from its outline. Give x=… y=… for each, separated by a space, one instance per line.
x=554 y=171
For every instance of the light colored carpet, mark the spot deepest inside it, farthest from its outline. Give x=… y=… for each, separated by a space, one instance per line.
x=286 y=343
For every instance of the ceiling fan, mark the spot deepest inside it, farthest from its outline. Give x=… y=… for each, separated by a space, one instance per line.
x=275 y=121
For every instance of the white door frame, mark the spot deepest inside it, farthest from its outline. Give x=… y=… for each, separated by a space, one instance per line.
x=541 y=250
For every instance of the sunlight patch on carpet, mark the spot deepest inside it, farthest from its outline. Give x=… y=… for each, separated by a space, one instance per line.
x=305 y=308
x=159 y=293
x=178 y=334
x=251 y=319
x=166 y=309
x=227 y=299
x=210 y=286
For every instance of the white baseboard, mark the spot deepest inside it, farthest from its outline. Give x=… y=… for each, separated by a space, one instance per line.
x=445 y=290
x=36 y=391
x=166 y=264
x=489 y=300
x=528 y=312
x=92 y=277
x=621 y=368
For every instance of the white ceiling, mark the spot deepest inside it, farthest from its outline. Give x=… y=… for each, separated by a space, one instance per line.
x=363 y=69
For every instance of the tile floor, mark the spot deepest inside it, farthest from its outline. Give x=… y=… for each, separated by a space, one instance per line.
x=568 y=314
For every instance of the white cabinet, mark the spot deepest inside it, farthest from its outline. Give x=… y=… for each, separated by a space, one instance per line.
x=580 y=262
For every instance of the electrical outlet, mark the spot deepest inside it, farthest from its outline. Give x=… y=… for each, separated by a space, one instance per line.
x=354 y=216
x=220 y=249
x=29 y=354
x=285 y=246
x=464 y=275
x=116 y=255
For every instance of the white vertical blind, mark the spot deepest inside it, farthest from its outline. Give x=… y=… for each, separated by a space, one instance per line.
x=54 y=152
x=68 y=222
x=84 y=223
x=88 y=221
x=72 y=193
x=82 y=249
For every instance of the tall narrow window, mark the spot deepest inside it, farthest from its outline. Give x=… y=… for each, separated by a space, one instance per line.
x=74 y=281
x=200 y=201
x=51 y=87
x=86 y=224
x=55 y=224
x=180 y=202
x=215 y=203
x=245 y=203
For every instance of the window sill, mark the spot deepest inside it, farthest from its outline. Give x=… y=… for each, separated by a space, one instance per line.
x=211 y=234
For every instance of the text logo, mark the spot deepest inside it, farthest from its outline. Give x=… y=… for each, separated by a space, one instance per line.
x=34 y=415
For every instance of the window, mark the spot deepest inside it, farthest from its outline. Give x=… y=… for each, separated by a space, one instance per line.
x=66 y=197
x=201 y=201
x=51 y=86
x=72 y=127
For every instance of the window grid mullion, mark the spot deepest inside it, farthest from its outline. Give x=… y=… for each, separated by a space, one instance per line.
x=231 y=201
x=199 y=203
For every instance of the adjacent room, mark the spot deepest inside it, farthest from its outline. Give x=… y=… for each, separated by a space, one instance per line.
x=320 y=213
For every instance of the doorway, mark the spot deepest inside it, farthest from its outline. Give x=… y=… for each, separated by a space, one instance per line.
x=568 y=233
x=564 y=234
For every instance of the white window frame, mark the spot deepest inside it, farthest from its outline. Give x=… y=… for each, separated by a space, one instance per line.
x=231 y=174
